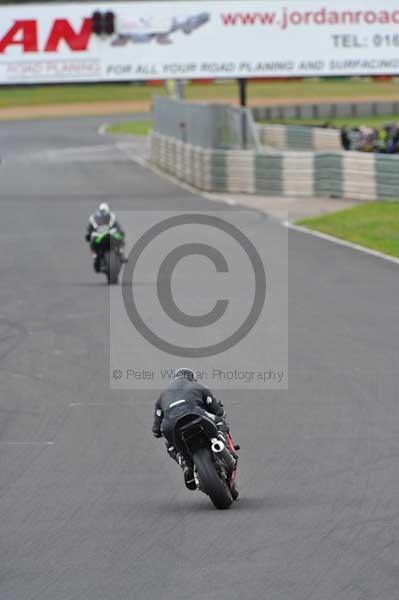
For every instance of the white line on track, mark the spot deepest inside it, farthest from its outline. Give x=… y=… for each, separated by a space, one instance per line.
x=339 y=242
x=26 y=443
x=73 y=404
x=113 y=403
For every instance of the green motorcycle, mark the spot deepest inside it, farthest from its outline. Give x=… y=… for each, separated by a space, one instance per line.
x=107 y=242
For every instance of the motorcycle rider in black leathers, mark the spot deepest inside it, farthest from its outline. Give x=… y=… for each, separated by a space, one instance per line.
x=183 y=395
x=102 y=217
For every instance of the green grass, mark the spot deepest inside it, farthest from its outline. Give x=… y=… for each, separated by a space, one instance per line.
x=378 y=121
x=374 y=225
x=68 y=94
x=131 y=128
x=312 y=88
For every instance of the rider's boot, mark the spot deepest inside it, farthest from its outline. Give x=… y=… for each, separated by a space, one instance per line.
x=187 y=469
x=188 y=473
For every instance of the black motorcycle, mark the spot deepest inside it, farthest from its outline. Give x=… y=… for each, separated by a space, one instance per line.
x=215 y=462
x=107 y=243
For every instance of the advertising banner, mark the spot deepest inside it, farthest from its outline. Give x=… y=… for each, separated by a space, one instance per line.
x=189 y=40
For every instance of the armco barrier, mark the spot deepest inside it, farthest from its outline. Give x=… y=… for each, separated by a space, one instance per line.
x=352 y=175
x=293 y=137
x=325 y=110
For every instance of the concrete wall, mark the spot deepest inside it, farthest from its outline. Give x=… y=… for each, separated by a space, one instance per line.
x=353 y=175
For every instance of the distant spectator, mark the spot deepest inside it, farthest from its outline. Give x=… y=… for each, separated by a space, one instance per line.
x=345 y=139
x=369 y=139
x=383 y=136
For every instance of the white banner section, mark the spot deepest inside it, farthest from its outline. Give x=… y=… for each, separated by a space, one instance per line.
x=154 y=40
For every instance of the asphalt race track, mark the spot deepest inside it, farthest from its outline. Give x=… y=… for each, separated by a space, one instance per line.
x=90 y=506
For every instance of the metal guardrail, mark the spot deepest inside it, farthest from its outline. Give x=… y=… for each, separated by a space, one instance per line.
x=216 y=126
x=326 y=111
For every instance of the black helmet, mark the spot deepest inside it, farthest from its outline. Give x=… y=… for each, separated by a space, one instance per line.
x=185 y=374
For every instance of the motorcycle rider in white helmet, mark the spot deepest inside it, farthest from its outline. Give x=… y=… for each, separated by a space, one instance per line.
x=102 y=217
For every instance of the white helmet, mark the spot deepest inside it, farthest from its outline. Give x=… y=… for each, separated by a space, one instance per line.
x=104 y=208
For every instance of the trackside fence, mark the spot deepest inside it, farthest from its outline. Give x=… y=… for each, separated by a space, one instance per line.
x=326 y=110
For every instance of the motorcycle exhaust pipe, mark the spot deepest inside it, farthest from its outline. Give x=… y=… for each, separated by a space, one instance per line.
x=217 y=445
x=219 y=448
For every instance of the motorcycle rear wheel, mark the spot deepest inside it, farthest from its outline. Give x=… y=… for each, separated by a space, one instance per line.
x=217 y=489
x=113 y=267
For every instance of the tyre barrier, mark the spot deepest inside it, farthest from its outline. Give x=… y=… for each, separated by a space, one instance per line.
x=293 y=137
x=351 y=175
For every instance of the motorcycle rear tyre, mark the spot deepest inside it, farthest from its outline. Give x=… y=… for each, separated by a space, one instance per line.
x=113 y=263
x=217 y=489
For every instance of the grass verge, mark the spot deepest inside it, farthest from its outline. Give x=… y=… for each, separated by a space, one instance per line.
x=131 y=128
x=374 y=225
x=226 y=90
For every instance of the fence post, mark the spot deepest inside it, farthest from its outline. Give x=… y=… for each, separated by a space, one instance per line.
x=242 y=83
